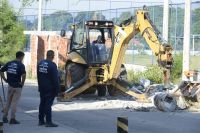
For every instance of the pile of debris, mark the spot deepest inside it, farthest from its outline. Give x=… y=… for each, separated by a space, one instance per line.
x=171 y=99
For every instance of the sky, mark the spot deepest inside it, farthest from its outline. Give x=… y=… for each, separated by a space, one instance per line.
x=88 y=5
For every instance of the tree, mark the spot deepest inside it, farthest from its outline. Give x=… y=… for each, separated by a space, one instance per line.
x=81 y=16
x=57 y=21
x=196 y=21
x=12 y=38
x=124 y=16
x=26 y=3
x=97 y=16
x=195 y=27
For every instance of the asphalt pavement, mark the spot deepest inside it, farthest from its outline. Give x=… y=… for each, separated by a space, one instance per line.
x=97 y=120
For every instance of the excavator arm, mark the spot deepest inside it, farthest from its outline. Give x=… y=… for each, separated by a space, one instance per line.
x=110 y=72
x=142 y=24
x=160 y=48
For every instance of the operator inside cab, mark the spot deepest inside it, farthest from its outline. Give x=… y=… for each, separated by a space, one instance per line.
x=99 y=40
x=99 y=49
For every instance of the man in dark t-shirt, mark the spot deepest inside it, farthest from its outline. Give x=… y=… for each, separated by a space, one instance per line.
x=16 y=76
x=48 y=84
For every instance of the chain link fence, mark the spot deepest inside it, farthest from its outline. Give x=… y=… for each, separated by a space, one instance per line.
x=138 y=51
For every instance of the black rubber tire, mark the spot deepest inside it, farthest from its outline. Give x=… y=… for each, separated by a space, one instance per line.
x=112 y=91
x=101 y=89
x=77 y=72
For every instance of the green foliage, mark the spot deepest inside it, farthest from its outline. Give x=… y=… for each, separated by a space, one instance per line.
x=11 y=33
x=177 y=68
x=26 y=3
x=156 y=15
x=124 y=16
x=98 y=16
x=57 y=20
x=63 y=19
x=196 y=21
x=153 y=73
x=81 y=16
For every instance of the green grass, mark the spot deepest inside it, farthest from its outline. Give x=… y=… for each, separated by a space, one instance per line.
x=195 y=62
x=146 y=60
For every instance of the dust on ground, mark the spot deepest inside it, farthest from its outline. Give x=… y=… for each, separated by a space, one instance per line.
x=106 y=103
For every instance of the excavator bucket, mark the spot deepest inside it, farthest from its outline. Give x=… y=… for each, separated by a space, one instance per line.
x=190 y=90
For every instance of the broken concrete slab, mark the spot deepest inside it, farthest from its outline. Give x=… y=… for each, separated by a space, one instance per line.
x=165 y=102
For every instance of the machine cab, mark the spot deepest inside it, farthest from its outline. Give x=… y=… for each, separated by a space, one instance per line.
x=93 y=40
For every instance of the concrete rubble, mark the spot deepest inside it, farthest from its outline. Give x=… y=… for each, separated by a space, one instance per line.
x=164 y=100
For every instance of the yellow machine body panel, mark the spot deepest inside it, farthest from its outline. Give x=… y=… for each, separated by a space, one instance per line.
x=76 y=58
x=108 y=73
x=124 y=33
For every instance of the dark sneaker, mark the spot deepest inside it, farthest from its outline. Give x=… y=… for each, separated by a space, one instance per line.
x=14 y=121
x=5 y=120
x=41 y=123
x=51 y=124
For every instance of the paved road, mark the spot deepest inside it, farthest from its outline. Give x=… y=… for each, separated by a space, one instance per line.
x=104 y=120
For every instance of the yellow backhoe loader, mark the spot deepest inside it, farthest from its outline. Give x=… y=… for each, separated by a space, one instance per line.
x=96 y=54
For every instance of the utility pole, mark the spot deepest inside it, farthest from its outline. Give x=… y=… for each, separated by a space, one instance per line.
x=166 y=72
x=40 y=15
x=193 y=36
x=110 y=9
x=89 y=10
x=186 y=41
x=166 y=20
